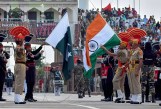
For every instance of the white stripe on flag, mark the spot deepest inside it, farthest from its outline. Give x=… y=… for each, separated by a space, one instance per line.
x=103 y=36
x=85 y=60
x=59 y=31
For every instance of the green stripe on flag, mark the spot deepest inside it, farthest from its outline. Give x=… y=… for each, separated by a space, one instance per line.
x=110 y=44
x=65 y=47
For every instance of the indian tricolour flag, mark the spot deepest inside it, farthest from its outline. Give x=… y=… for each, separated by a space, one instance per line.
x=60 y=38
x=98 y=33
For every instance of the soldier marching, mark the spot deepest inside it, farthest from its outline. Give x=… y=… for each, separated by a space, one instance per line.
x=79 y=78
x=119 y=78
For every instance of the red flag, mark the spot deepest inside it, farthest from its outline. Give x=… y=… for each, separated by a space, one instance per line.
x=108 y=7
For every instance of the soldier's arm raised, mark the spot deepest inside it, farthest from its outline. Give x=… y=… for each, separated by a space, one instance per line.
x=128 y=61
x=107 y=51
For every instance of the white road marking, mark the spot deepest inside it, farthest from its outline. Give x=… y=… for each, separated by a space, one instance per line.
x=2 y=102
x=89 y=107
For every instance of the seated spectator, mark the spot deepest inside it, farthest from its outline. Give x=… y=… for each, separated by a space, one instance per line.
x=134 y=12
x=135 y=24
x=119 y=12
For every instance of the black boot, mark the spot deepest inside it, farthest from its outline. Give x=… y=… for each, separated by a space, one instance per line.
x=80 y=96
x=153 y=98
x=111 y=98
x=1 y=99
x=119 y=100
x=142 y=97
x=147 y=98
x=89 y=94
x=83 y=93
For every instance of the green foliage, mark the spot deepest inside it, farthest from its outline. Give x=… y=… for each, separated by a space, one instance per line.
x=40 y=73
x=40 y=67
x=39 y=62
x=15 y=14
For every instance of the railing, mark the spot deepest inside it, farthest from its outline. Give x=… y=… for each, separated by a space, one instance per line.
x=38 y=21
x=40 y=29
x=10 y=19
x=38 y=0
x=22 y=20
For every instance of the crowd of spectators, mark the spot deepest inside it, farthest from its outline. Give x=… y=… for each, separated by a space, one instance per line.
x=122 y=19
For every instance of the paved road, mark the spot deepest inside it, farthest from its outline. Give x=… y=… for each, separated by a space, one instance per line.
x=70 y=101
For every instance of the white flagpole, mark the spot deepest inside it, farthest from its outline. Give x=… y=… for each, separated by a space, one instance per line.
x=117 y=4
x=92 y=4
x=101 y=6
x=139 y=7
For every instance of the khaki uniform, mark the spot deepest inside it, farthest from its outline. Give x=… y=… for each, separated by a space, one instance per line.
x=20 y=70
x=119 y=78
x=133 y=75
x=19 y=33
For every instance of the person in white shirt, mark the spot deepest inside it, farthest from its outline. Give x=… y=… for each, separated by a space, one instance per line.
x=97 y=81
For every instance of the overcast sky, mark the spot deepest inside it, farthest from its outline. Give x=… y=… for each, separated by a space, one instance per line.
x=147 y=7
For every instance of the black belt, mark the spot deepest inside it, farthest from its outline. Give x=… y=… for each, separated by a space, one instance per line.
x=21 y=63
x=147 y=65
x=32 y=64
x=148 y=59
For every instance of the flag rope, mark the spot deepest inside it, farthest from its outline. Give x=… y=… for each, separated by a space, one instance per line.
x=93 y=5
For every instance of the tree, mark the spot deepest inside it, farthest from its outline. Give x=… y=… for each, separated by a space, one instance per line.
x=39 y=67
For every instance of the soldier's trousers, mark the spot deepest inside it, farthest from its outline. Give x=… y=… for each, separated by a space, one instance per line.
x=1 y=88
x=104 y=87
x=20 y=73
x=126 y=88
x=134 y=79
x=30 y=87
x=57 y=90
x=148 y=84
x=158 y=89
x=2 y=80
x=118 y=80
x=79 y=84
x=87 y=88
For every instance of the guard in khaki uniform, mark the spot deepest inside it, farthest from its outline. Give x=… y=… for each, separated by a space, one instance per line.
x=134 y=72
x=122 y=56
x=19 y=34
x=135 y=64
